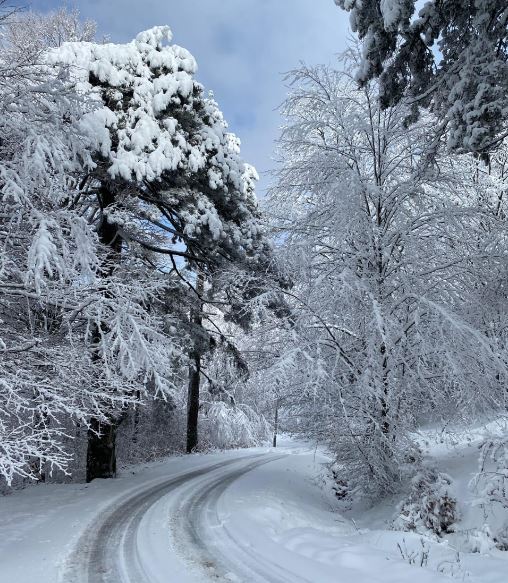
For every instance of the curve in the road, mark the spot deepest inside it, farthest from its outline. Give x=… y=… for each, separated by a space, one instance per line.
x=226 y=557
x=107 y=551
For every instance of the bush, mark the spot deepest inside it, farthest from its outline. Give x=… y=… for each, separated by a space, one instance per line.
x=225 y=426
x=480 y=540
x=429 y=507
x=340 y=486
x=491 y=486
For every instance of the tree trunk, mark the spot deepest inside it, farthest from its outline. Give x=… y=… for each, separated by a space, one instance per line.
x=193 y=404
x=385 y=423
x=276 y=423
x=101 y=453
x=101 y=449
x=195 y=374
x=136 y=418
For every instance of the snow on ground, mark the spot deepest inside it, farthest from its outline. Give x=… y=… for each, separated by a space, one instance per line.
x=283 y=512
x=40 y=525
x=255 y=518
x=455 y=453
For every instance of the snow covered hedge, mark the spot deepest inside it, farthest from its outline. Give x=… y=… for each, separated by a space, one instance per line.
x=229 y=426
x=430 y=505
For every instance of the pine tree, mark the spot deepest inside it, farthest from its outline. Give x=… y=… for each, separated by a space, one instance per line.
x=168 y=181
x=451 y=57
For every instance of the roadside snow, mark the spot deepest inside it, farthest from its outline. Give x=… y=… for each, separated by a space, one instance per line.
x=39 y=526
x=280 y=511
x=274 y=522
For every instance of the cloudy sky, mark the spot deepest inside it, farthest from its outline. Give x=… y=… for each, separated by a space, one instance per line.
x=242 y=47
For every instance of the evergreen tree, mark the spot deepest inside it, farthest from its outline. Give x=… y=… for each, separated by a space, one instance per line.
x=451 y=57
x=167 y=179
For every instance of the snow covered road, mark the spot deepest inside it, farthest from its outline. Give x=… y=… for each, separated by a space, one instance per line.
x=129 y=543
x=207 y=536
x=244 y=516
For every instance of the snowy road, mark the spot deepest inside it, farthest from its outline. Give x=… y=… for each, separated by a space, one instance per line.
x=207 y=536
x=115 y=549
x=244 y=516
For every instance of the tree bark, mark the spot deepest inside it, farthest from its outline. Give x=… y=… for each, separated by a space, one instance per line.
x=193 y=404
x=276 y=423
x=385 y=423
x=194 y=374
x=136 y=418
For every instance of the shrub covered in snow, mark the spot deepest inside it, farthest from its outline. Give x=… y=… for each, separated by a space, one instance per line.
x=479 y=540
x=491 y=486
x=501 y=538
x=340 y=485
x=491 y=482
x=228 y=426
x=430 y=505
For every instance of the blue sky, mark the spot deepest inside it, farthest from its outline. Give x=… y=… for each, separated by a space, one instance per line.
x=242 y=47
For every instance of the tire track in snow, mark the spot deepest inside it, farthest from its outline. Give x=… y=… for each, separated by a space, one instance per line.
x=199 y=528
x=107 y=551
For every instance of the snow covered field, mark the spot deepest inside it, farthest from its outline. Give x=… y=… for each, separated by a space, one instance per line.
x=246 y=515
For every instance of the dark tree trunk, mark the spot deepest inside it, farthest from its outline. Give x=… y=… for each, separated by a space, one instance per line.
x=195 y=374
x=276 y=423
x=101 y=453
x=136 y=418
x=385 y=423
x=37 y=465
x=193 y=404
x=101 y=450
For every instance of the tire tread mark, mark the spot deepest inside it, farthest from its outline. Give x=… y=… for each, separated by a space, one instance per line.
x=91 y=560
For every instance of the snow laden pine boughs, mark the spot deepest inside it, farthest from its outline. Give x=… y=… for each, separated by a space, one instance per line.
x=43 y=258
x=163 y=150
x=452 y=57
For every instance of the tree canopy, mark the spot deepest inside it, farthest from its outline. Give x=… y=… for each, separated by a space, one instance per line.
x=451 y=57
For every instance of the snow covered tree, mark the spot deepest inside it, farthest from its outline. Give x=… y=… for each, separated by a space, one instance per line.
x=223 y=316
x=164 y=149
x=384 y=251
x=229 y=413
x=167 y=183
x=28 y=34
x=451 y=57
x=79 y=339
x=43 y=248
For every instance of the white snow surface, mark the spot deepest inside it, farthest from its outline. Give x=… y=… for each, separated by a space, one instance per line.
x=259 y=515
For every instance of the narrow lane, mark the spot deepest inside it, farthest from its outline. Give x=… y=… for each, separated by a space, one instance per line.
x=223 y=556
x=112 y=549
